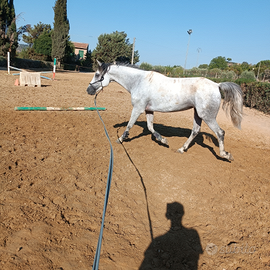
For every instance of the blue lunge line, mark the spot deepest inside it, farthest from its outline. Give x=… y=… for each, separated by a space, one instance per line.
x=109 y=178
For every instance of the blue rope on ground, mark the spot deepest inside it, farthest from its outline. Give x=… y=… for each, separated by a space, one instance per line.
x=109 y=178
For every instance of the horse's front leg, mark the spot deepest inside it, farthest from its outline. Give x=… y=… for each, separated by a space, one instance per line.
x=150 y=121
x=136 y=112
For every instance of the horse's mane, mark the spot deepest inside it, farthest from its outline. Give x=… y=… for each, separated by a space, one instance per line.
x=106 y=66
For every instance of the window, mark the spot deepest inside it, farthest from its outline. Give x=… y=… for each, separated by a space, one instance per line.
x=81 y=53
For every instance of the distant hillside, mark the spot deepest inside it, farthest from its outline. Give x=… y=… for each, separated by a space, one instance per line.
x=21 y=47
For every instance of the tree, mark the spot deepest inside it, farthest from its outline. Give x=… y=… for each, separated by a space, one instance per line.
x=34 y=32
x=203 y=66
x=218 y=62
x=43 y=44
x=248 y=75
x=8 y=31
x=60 y=35
x=87 y=62
x=266 y=74
x=236 y=68
x=114 y=47
x=246 y=66
x=69 y=52
x=264 y=64
x=260 y=68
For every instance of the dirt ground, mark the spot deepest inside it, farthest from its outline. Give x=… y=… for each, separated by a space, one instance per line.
x=165 y=210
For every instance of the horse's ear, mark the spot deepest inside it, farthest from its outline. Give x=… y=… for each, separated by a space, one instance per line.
x=99 y=63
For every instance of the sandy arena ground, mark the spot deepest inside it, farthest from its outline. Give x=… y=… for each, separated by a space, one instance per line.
x=166 y=210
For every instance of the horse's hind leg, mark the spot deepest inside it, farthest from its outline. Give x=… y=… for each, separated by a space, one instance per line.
x=220 y=133
x=150 y=120
x=196 y=129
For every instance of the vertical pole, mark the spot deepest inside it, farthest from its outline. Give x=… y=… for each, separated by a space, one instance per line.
x=258 y=71
x=198 y=50
x=189 y=33
x=8 y=62
x=132 y=58
x=54 y=68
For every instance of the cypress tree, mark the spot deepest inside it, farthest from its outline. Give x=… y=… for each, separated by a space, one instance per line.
x=8 y=31
x=60 y=32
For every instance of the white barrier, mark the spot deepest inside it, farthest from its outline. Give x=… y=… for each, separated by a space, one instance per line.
x=30 y=79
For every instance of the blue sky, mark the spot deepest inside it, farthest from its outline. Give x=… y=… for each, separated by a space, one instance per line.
x=237 y=29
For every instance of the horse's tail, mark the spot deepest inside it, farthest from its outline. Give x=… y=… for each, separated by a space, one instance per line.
x=233 y=101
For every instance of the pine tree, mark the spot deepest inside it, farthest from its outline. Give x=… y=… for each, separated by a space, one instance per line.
x=114 y=47
x=60 y=35
x=8 y=31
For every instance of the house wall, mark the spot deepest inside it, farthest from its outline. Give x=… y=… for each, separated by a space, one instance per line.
x=77 y=52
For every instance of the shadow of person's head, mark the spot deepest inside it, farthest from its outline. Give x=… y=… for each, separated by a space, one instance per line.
x=175 y=210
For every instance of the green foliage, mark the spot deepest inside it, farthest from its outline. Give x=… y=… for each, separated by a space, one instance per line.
x=257 y=95
x=160 y=69
x=264 y=63
x=146 y=66
x=248 y=75
x=203 y=66
x=31 y=64
x=114 y=47
x=3 y=61
x=35 y=32
x=43 y=44
x=266 y=74
x=8 y=31
x=39 y=40
x=260 y=69
x=237 y=69
x=69 y=52
x=229 y=75
x=30 y=53
x=246 y=66
x=177 y=71
x=214 y=73
x=218 y=62
x=241 y=81
x=87 y=62
x=60 y=35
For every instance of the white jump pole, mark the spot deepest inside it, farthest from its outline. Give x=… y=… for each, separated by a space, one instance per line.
x=59 y=109
x=8 y=59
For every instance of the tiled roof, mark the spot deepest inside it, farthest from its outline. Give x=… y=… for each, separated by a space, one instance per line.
x=79 y=45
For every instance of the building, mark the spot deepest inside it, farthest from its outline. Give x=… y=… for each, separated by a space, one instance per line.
x=81 y=50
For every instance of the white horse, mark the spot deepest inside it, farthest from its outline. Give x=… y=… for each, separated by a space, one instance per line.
x=151 y=91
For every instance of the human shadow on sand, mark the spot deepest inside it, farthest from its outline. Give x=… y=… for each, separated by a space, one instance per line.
x=177 y=249
x=169 y=131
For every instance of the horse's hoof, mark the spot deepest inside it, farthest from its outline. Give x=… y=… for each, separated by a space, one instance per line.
x=164 y=141
x=181 y=150
x=119 y=141
x=228 y=156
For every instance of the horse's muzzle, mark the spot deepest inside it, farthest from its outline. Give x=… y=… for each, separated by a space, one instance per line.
x=91 y=90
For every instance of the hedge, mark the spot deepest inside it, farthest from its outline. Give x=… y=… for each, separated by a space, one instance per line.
x=257 y=95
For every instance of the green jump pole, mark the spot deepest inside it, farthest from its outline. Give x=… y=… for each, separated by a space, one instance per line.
x=59 y=109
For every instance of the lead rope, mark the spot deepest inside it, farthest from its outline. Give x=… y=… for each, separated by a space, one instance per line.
x=109 y=178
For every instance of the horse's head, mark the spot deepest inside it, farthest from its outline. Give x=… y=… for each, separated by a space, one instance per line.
x=100 y=79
